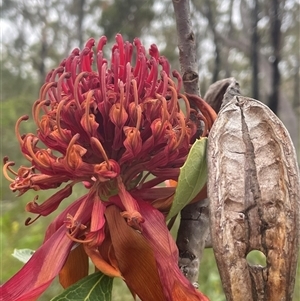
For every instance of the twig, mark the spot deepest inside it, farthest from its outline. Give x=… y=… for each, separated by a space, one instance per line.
x=187 y=46
x=194 y=225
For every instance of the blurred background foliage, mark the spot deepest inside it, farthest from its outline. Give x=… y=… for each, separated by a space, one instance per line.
x=257 y=42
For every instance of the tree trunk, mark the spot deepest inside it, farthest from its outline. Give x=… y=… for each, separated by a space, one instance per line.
x=212 y=25
x=209 y=12
x=80 y=21
x=255 y=51
x=275 y=23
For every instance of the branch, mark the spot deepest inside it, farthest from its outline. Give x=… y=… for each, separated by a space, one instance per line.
x=194 y=223
x=187 y=47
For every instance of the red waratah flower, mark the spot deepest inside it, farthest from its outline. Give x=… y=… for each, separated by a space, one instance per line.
x=113 y=126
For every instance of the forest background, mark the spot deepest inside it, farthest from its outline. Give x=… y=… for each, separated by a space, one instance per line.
x=255 y=41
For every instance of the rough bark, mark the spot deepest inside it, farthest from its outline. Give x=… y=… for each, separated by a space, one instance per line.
x=186 y=46
x=192 y=238
x=254 y=189
x=275 y=21
x=194 y=226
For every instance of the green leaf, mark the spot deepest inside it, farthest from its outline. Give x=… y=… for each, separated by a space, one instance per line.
x=22 y=254
x=95 y=287
x=192 y=177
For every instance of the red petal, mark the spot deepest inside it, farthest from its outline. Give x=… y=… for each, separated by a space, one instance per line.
x=135 y=257
x=132 y=143
x=97 y=218
x=176 y=286
x=101 y=264
x=129 y=203
x=72 y=210
x=153 y=193
x=75 y=268
x=37 y=274
x=51 y=203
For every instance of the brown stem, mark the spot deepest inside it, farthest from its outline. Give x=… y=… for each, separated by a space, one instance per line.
x=194 y=226
x=187 y=46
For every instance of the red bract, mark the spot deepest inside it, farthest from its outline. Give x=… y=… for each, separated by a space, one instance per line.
x=112 y=126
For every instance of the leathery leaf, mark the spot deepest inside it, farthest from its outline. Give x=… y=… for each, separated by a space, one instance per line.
x=192 y=177
x=95 y=287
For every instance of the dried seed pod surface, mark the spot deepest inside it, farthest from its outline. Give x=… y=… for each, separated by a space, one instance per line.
x=254 y=191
